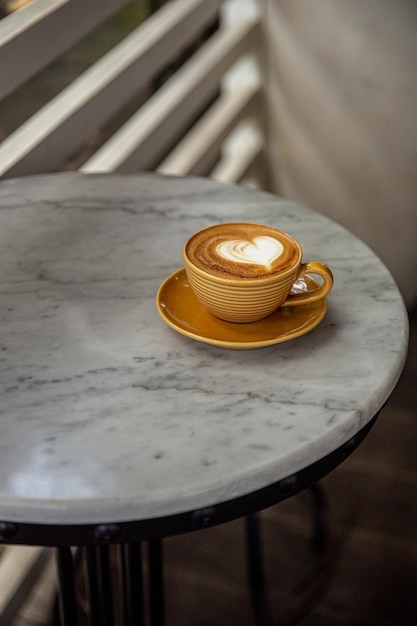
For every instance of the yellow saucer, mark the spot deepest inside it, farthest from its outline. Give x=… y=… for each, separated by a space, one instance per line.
x=180 y=309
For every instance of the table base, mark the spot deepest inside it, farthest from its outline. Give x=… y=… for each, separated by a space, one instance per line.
x=139 y=588
x=140 y=585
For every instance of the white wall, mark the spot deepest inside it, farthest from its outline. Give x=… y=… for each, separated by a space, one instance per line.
x=341 y=79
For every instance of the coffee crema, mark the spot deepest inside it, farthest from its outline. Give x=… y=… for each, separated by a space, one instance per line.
x=242 y=250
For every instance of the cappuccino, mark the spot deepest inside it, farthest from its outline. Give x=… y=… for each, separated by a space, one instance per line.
x=242 y=250
x=243 y=272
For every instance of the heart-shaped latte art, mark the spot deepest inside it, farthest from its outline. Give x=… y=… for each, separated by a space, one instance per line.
x=263 y=250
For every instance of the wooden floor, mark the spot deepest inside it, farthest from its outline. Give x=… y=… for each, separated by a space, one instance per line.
x=371 y=573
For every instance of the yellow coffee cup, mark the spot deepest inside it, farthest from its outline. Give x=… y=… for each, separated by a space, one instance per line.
x=243 y=272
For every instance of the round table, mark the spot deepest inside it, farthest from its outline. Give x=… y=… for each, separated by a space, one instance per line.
x=116 y=428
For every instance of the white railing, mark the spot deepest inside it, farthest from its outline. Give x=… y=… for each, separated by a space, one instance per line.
x=32 y=37
x=168 y=131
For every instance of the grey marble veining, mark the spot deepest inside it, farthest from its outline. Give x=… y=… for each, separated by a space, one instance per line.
x=106 y=413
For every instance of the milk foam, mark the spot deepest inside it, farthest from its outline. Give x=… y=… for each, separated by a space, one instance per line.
x=242 y=251
x=263 y=250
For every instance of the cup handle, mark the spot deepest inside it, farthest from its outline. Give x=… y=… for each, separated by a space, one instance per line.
x=312 y=267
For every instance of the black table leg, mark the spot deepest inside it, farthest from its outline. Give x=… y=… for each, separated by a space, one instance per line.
x=67 y=604
x=255 y=570
x=319 y=539
x=132 y=584
x=156 y=582
x=92 y=585
x=105 y=586
x=98 y=585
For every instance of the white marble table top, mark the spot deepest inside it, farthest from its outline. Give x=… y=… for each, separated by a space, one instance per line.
x=106 y=413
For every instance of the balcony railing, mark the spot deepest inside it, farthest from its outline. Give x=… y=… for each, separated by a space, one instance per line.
x=205 y=118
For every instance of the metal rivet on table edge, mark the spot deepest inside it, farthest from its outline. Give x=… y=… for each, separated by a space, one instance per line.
x=350 y=445
x=106 y=532
x=203 y=517
x=289 y=484
x=7 y=531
